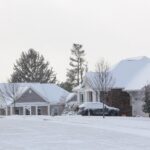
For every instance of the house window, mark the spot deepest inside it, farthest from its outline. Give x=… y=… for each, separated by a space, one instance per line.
x=30 y=91
x=90 y=96
x=81 y=98
x=97 y=96
x=27 y=111
x=39 y=111
x=16 y=111
x=54 y=111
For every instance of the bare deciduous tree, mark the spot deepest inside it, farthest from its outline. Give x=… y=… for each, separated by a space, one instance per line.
x=101 y=81
x=9 y=91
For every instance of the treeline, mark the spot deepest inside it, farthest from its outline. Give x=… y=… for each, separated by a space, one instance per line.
x=32 y=67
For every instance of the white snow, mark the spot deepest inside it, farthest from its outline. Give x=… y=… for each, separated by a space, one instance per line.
x=74 y=133
x=70 y=96
x=76 y=88
x=132 y=74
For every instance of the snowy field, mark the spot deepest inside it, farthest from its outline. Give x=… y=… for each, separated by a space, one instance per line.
x=74 y=133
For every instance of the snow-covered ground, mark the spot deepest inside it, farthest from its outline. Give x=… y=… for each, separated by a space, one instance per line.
x=74 y=133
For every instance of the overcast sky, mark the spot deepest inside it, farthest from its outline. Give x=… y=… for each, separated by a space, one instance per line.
x=113 y=29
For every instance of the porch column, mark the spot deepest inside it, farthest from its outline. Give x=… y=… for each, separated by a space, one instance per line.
x=23 y=110
x=49 y=110
x=6 y=110
x=98 y=96
x=30 y=111
x=36 y=110
x=11 y=110
x=86 y=96
x=94 y=96
x=78 y=97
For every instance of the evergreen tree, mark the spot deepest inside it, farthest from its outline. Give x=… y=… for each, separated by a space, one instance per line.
x=75 y=74
x=66 y=85
x=32 y=67
x=147 y=100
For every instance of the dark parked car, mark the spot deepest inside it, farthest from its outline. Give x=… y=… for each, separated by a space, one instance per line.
x=96 y=109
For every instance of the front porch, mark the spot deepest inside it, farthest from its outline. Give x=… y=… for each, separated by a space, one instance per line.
x=26 y=109
x=33 y=109
x=87 y=96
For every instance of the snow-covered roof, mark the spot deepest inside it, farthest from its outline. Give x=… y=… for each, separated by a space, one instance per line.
x=77 y=88
x=132 y=74
x=70 y=96
x=129 y=74
x=50 y=92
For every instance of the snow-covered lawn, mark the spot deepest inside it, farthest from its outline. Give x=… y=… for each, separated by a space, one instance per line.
x=74 y=133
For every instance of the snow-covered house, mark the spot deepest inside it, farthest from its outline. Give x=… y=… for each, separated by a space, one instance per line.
x=130 y=75
x=32 y=99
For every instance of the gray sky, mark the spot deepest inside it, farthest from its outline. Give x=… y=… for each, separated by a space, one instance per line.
x=113 y=29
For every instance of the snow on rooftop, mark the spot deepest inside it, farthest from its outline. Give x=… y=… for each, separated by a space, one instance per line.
x=130 y=74
x=70 y=96
x=50 y=92
x=137 y=58
x=77 y=88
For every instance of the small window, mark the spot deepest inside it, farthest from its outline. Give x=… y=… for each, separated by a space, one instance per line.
x=81 y=98
x=27 y=111
x=90 y=96
x=97 y=96
x=30 y=91
x=16 y=111
x=39 y=111
x=55 y=111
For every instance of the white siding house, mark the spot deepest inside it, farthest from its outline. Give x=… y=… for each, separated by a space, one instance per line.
x=130 y=74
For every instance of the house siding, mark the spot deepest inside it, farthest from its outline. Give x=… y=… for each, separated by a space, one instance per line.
x=30 y=96
x=120 y=99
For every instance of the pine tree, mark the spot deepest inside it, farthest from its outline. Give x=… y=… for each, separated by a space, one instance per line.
x=147 y=100
x=32 y=67
x=75 y=74
x=66 y=85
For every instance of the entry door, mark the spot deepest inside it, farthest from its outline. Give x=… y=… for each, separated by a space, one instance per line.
x=27 y=111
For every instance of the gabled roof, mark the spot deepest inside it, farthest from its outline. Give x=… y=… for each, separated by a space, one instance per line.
x=70 y=96
x=133 y=73
x=129 y=74
x=49 y=92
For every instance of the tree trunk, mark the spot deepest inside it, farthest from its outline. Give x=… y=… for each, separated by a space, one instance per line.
x=103 y=105
x=103 y=110
x=14 y=108
x=89 y=113
x=78 y=72
x=102 y=101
